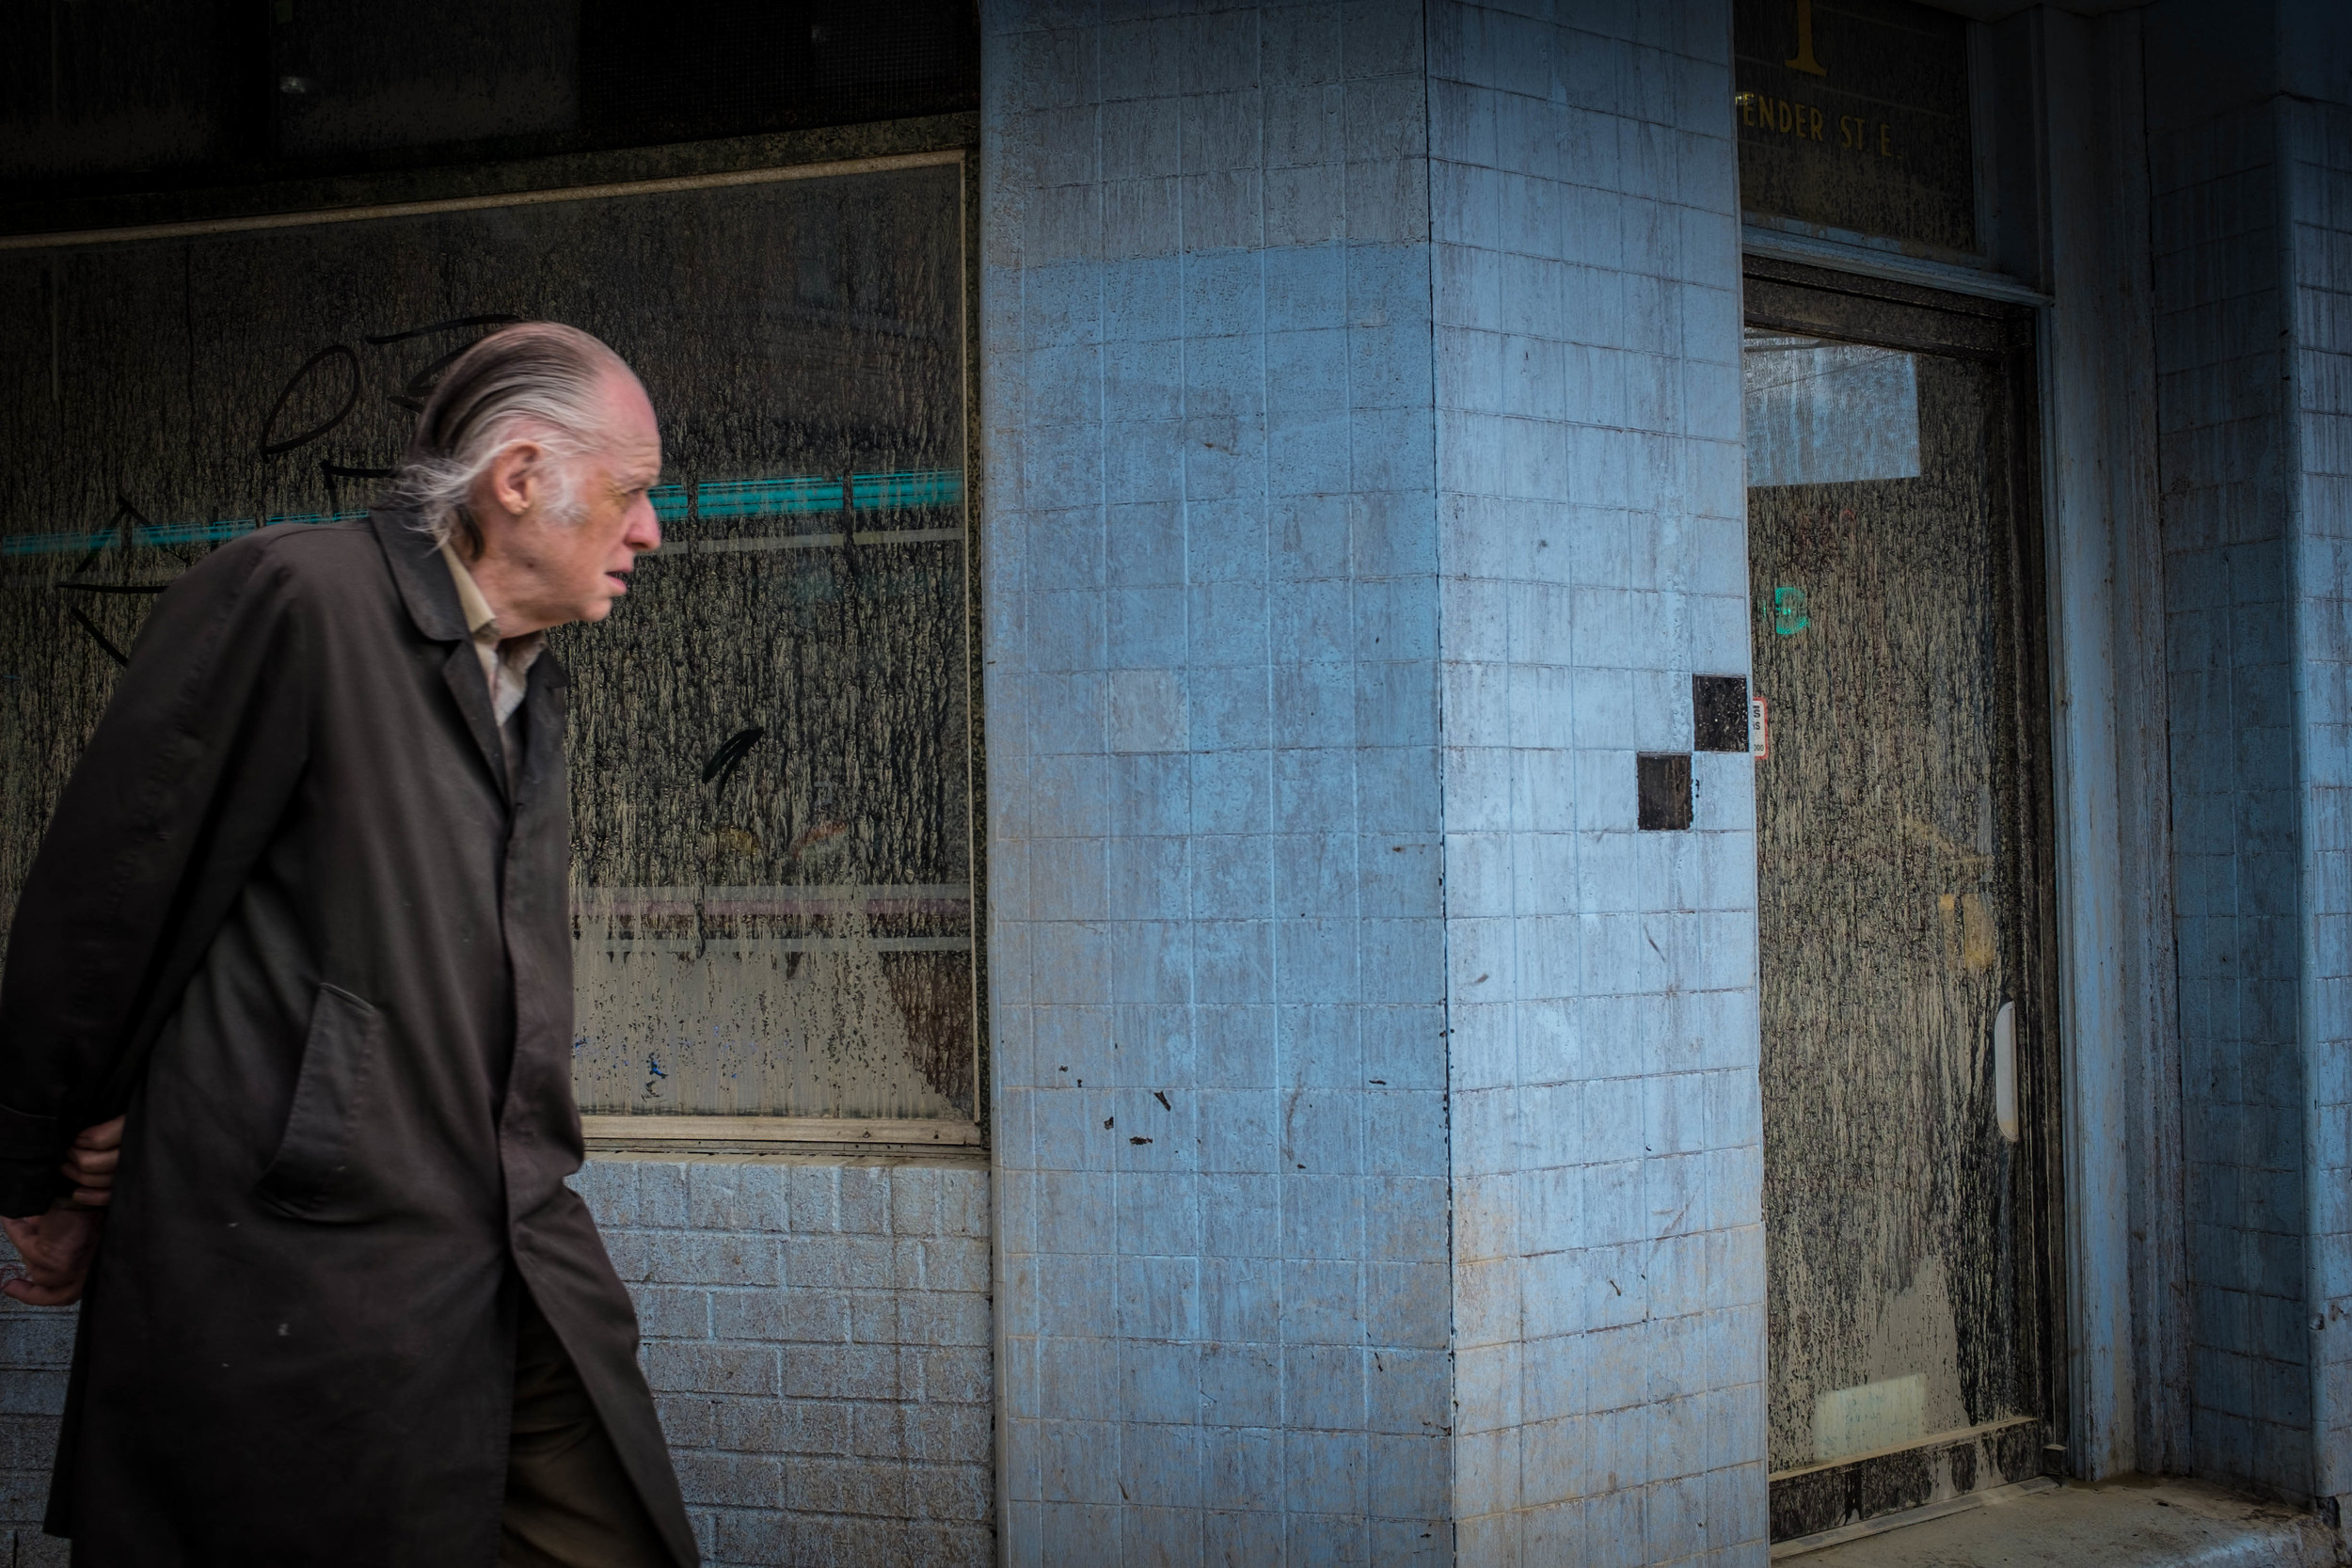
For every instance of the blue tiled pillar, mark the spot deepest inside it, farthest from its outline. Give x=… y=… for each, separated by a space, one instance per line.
x=1360 y=395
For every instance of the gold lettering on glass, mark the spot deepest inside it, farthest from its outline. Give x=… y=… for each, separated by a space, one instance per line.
x=1804 y=60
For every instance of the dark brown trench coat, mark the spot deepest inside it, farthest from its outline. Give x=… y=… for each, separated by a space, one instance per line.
x=288 y=916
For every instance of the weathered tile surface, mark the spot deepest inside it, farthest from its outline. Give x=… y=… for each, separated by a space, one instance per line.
x=1607 y=1151
x=2250 y=231
x=1214 y=837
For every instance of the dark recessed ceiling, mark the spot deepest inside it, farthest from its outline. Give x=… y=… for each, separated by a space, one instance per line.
x=146 y=94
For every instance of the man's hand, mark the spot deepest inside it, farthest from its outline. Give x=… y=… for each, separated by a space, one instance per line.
x=89 y=1164
x=58 y=1248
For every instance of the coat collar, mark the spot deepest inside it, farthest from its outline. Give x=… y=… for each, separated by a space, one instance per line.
x=425 y=585
x=431 y=595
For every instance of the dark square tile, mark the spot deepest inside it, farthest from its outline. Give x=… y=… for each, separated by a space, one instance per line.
x=1719 y=713
x=1665 y=782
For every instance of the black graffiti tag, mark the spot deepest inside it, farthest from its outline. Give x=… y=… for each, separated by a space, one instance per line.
x=419 y=386
x=729 y=756
x=339 y=353
x=121 y=530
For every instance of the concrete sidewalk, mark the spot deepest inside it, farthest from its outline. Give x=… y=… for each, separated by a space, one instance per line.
x=2120 y=1525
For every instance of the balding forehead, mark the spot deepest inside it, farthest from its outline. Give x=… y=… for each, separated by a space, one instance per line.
x=624 y=393
x=630 y=430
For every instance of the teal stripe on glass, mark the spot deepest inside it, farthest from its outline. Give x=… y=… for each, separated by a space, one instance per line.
x=162 y=534
x=923 y=487
x=786 y=497
x=768 y=497
x=813 y=493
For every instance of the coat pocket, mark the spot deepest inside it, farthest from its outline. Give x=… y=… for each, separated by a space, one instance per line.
x=313 y=1175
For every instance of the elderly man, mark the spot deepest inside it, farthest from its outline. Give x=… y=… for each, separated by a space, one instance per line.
x=300 y=923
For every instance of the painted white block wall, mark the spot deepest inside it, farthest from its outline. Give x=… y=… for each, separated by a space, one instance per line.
x=1607 y=1150
x=36 y=1356
x=816 y=1336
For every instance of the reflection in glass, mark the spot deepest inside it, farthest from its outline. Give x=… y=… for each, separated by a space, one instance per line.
x=1824 y=412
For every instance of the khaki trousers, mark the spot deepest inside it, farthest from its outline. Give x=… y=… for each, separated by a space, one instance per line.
x=568 y=1502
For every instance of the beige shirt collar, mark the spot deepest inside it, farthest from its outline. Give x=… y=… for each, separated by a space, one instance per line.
x=505 y=661
x=470 y=603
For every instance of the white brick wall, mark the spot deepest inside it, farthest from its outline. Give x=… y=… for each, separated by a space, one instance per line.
x=1607 y=1150
x=36 y=1351
x=817 y=1337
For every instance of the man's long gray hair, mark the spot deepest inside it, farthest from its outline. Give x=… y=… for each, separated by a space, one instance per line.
x=540 y=382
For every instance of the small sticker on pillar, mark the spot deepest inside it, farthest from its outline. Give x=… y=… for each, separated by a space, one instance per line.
x=1663 y=780
x=1759 y=729
x=1719 y=713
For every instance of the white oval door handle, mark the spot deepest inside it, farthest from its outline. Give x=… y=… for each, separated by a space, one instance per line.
x=2004 y=1070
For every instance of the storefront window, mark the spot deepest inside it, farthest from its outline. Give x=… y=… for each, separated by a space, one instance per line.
x=770 y=740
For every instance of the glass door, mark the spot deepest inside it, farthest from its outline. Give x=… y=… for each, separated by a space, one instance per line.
x=1903 y=884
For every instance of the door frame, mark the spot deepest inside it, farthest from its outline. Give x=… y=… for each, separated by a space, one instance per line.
x=1817 y=300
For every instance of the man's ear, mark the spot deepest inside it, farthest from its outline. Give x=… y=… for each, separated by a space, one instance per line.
x=515 y=475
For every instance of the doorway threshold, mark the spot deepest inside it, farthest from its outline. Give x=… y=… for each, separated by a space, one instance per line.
x=2136 y=1522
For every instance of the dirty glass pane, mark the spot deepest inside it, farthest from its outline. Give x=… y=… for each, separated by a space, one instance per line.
x=770 y=738
x=1889 y=875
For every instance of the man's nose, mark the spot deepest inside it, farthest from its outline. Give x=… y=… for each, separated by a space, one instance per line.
x=643 y=533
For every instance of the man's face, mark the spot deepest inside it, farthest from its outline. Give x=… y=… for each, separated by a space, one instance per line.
x=557 y=571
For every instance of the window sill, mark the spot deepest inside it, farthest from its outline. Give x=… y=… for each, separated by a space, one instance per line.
x=833 y=1137
x=2136 y=1522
